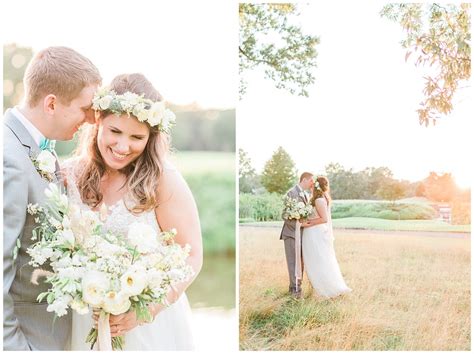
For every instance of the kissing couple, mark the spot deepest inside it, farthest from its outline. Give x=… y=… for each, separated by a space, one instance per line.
x=309 y=239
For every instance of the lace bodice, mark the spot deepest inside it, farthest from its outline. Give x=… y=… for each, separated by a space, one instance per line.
x=119 y=217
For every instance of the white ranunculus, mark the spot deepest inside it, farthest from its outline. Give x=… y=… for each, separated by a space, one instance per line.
x=94 y=286
x=116 y=303
x=133 y=283
x=46 y=161
x=143 y=237
x=104 y=102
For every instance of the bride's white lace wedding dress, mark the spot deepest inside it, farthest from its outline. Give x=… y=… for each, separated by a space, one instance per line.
x=171 y=329
x=320 y=260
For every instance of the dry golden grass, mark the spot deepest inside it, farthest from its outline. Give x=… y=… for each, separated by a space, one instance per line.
x=409 y=293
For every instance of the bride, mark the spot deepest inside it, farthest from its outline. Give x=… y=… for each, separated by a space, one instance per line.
x=121 y=168
x=318 y=245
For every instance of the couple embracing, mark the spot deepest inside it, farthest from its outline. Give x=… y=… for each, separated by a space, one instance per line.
x=120 y=167
x=309 y=239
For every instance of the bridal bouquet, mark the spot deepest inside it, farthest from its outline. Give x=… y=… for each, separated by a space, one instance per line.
x=92 y=267
x=294 y=209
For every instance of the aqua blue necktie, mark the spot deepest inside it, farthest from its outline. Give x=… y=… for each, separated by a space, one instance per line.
x=46 y=144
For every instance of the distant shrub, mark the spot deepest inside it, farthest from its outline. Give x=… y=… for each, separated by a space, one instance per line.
x=383 y=210
x=260 y=207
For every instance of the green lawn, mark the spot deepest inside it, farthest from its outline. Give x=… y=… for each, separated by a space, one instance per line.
x=385 y=225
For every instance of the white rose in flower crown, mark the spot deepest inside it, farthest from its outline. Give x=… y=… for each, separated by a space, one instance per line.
x=168 y=118
x=140 y=107
x=46 y=161
x=104 y=102
x=142 y=236
x=94 y=286
x=133 y=283
x=116 y=303
x=157 y=112
x=142 y=115
x=128 y=100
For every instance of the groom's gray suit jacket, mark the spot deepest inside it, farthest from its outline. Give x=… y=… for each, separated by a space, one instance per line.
x=26 y=323
x=288 y=229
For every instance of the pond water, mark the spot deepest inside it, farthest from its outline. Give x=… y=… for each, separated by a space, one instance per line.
x=215 y=284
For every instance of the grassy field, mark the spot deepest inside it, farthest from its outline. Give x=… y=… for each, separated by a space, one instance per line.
x=409 y=293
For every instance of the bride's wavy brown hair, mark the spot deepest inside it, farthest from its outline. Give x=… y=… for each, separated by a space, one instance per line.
x=323 y=192
x=143 y=174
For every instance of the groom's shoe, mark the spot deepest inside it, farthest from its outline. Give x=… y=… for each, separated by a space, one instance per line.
x=296 y=294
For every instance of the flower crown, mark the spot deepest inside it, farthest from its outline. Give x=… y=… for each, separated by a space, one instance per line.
x=317 y=186
x=154 y=113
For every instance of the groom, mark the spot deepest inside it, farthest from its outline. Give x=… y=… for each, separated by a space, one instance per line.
x=288 y=231
x=59 y=86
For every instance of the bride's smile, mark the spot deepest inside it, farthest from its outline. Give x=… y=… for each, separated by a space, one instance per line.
x=121 y=139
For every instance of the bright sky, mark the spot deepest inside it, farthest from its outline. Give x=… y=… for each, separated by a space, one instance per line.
x=362 y=109
x=187 y=49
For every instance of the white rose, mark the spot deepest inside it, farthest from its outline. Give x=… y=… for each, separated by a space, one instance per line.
x=94 y=286
x=143 y=115
x=129 y=100
x=168 y=118
x=139 y=107
x=46 y=161
x=79 y=306
x=157 y=113
x=104 y=102
x=143 y=237
x=133 y=283
x=155 y=278
x=116 y=303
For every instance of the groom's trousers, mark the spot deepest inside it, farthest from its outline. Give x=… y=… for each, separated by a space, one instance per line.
x=291 y=261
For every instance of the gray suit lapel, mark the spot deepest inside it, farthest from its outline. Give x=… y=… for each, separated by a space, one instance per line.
x=32 y=149
x=21 y=133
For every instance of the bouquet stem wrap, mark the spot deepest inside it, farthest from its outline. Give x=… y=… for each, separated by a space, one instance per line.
x=298 y=260
x=104 y=339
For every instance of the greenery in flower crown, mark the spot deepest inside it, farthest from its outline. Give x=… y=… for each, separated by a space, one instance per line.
x=154 y=113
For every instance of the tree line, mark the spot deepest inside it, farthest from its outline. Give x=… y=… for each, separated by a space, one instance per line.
x=280 y=174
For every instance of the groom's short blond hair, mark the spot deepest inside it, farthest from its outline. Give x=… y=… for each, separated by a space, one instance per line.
x=60 y=71
x=305 y=175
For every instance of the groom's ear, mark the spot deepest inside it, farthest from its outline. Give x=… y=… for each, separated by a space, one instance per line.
x=49 y=104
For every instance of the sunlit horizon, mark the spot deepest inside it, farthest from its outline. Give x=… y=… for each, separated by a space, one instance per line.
x=361 y=111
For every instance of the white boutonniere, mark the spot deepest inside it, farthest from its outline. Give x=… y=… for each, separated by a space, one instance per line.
x=45 y=164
